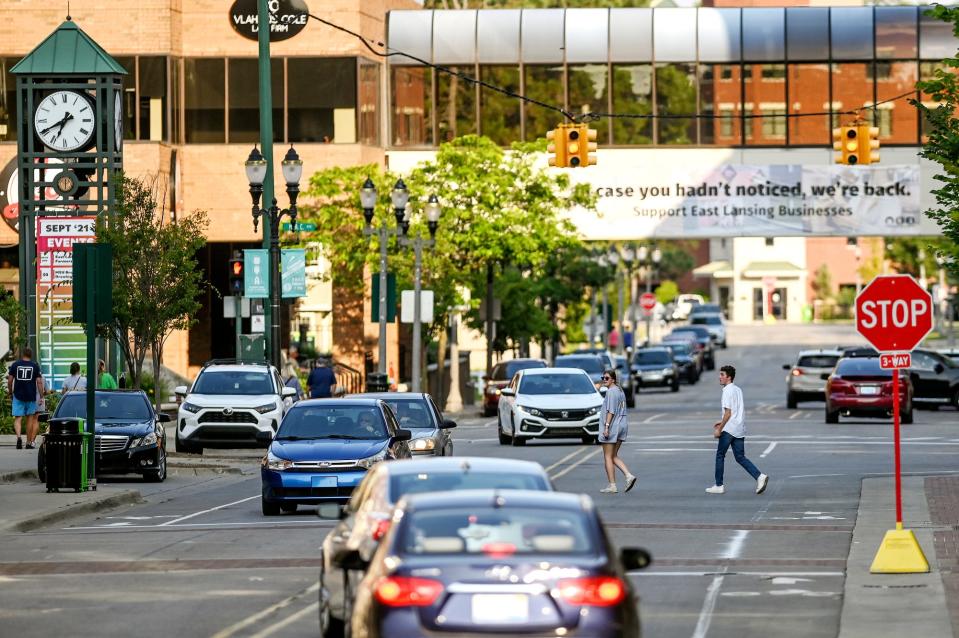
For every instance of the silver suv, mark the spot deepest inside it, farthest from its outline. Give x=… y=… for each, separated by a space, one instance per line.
x=807 y=378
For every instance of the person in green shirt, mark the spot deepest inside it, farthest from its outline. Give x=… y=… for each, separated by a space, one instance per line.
x=105 y=380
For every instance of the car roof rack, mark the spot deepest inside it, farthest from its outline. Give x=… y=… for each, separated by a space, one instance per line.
x=235 y=362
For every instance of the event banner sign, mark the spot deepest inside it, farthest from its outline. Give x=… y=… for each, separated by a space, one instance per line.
x=735 y=200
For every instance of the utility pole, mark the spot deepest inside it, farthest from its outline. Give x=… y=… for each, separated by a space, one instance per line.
x=266 y=143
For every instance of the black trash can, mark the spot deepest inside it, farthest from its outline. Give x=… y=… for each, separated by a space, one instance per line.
x=377 y=382
x=65 y=455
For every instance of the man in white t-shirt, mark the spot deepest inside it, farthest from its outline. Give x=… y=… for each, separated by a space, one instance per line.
x=732 y=429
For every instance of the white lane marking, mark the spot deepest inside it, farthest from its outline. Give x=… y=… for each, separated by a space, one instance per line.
x=653 y=418
x=768 y=450
x=787 y=580
x=677 y=449
x=570 y=468
x=250 y=620
x=706 y=614
x=267 y=524
x=207 y=511
x=794 y=415
x=489 y=423
x=289 y=620
x=565 y=458
x=762 y=574
x=735 y=546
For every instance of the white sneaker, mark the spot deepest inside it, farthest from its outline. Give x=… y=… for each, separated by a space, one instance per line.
x=609 y=489
x=630 y=482
x=716 y=489
x=761 y=483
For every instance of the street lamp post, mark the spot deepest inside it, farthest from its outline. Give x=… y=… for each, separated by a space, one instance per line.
x=419 y=243
x=649 y=259
x=256 y=170
x=368 y=197
x=629 y=257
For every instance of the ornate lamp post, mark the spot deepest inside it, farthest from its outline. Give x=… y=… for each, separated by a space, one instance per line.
x=256 y=167
x=418 y=243
x=649 y=259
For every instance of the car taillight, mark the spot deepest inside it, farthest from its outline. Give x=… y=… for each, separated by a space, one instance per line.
x=594 y=591
x=380 y=529
x=404 y=591
x=796 y=372
x=840 y=386
x=499 y=550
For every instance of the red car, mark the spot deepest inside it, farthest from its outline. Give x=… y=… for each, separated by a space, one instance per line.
x=859 y=387
x=500 y=377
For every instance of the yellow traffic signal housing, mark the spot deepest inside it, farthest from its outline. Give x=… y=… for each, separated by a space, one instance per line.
x=846 y=140
x=557 y=146
x=571 y=146
x=870 y=144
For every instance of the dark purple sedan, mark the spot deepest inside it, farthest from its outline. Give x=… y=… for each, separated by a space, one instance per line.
x=482 y=562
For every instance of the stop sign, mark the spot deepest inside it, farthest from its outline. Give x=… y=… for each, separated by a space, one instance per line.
x=647 y=301
x=894 y=313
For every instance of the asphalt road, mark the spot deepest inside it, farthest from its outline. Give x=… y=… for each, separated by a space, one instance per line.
x=198 y=559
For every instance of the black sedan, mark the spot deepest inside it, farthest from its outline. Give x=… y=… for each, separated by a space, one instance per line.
x=654 y=367
x=705 y=341
x=418 y=413
x=625 y=380
x=129 y=436
x=687 y=357
x=484 y=561
x=935 y=378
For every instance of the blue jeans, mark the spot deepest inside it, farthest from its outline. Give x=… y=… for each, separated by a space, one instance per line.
x=739 y=453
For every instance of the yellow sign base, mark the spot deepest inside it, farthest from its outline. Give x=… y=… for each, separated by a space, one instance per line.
x=899 y=554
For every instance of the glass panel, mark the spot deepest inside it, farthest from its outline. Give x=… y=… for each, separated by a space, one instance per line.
x=587 y=35
x=542 y=36
x=676 y=96
x=589 y=92
x=129 y=96
x=543 y=83
x=896 y=32
x=632 y=93
x=454 y=37
x=245 y=99
x=205 y=85
x=500 y=114
x=765 y=97
x=719 y=35
x=176 y=125
x=497 y=36
x=936 y=41
x=369 y=99
x=630 y=35
x=807 y=33
x=851 y=89
x=8 y=101
x=322 y=100
x=809 y=93
x=851 y=32
x=674 y=35
x=411 y=106
x=455 y=104
x=897 y=121
x=763 y=35
x=153 y=99
x=720 y=88
x=410 y=32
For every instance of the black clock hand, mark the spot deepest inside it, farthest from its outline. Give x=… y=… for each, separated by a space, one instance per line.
x=60 y=123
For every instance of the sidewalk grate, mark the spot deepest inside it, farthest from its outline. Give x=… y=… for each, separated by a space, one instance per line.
x=942 y=495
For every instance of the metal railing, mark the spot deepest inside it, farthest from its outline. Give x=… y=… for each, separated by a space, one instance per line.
x=348 y=380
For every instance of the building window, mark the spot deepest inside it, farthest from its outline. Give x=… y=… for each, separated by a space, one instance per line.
x=852 y=88
x=321 y=104
x=369 y=100
x=770 y=241
x=774 y=123
x=852 y=241
x=721 y=99
x=676 y=96
x=245 y=99
x=8 y=101
x=884 y=122
x=633 y=94
x=455 y=104
x=879 y=71
x=589 y=93
x=765 y=102
x=543 y=83
x=411 y=106
x=129 y=96
x=152 y=107
x=205 y=100
x=900 y=125
x=499 y=113
x=808 y=92
x=773 y=72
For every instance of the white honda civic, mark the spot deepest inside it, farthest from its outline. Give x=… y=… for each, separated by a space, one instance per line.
x=541 y=403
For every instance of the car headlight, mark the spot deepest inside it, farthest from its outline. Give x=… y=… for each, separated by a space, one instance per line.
x=149 y=439
x=263 y=409
x=667 y=370
x=422 y=445
x=594 y=410
x=370 y=461
x=273 y=462
x=530 y=411
x=191 y=407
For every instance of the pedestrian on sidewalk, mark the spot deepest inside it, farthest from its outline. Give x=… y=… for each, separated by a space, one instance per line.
x=24 y=384
x=105 y=380
x=615 y=429
x=322 y=380
x=731 y=431
x=75 y=381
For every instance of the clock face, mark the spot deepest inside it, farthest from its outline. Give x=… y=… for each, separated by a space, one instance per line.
x=118 y=119
x=64 y=120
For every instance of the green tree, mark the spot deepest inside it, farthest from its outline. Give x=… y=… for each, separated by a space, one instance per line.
x=909 y=254
x=666 y=291
x=157 y=279
x=822 y=283
x=942 y=146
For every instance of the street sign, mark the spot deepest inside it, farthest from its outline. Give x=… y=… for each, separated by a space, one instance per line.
x=894 y=313
x=895 y=361
x=301 y=227
x=256 y=269
x=647 y=301
x=408 y=304
x=293 y=272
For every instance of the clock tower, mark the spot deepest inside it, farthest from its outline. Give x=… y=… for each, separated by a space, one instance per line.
x=69 y=142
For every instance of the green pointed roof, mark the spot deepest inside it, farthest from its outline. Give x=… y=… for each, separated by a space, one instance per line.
x=67 y=51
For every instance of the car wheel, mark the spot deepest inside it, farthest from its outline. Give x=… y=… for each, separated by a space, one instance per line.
x=488 y=411
x=289 y=508
x=268 y=508
x=182 y=447
x=518 y=441
x=675 y=386
x=337 y=628
x=832 y=416
x=42 y=464
x=906 y=417
x=791 y=400
x=158 y=475
x=503 y=438
x=711 y=365
x=955 y=398
x=724 y=345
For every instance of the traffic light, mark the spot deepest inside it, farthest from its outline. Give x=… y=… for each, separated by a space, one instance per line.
x=856 y=144
x=236 y=276
x=557 y=146
x=571 y=145
x=870 y=147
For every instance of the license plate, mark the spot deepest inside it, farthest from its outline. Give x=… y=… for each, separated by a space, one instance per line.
x=652 y=377
x=500 y=608
x=323 y=481
x=869 y=389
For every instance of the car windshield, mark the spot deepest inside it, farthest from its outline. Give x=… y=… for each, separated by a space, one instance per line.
x=707 y=320
x=558 y=383
x=513 y=367
x=233 y=382
x=403 y=484
x=412 y=413
x=818 y=361
x=654 y=357
x=592 y=365
x=119 y=406
x=678 y=348
x=340 y=422
x=698 y=331
x=504 y=530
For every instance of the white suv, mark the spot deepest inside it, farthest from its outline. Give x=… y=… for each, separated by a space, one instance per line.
x=543 y=403
x=231 y=405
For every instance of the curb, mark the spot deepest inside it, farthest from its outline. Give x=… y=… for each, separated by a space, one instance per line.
x=125 y=497
x=19 y=475
x=199 y=469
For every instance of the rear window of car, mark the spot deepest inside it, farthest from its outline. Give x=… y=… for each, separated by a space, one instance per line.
x=694 y=330
x=515 y=366
x=504 y=530
x=403 y=484
x=818 y=361
x=589 y=364
x=707 y=320
x=861 y=366
x=657 y=357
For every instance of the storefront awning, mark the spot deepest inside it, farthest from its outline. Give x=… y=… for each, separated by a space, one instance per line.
x=714 y=269
x=760 y=269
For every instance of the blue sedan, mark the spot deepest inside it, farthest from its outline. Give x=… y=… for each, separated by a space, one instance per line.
x=323 y=449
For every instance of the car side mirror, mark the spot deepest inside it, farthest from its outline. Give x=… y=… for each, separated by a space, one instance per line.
x=403 y=435
x=180 y=390
x=43 y=417
x=163 y=417
x=634 y=558
x=264 y=437
x=447 y=424
x=939 y=369
x=786 y=366
x=350 y=560
x=289 y=392
x=508 y=392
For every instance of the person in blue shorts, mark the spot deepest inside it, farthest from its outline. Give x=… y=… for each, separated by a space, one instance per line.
x=25 y=384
